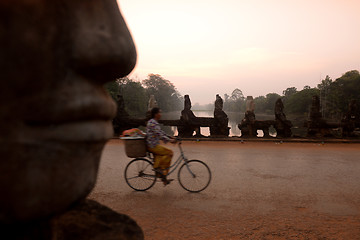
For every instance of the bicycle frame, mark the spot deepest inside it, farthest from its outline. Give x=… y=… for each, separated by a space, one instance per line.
x=179 y=160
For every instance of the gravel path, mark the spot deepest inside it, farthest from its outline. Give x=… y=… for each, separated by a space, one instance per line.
x=258 y=191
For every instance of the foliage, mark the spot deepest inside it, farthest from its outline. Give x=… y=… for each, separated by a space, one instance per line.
x=289 y=92
x=237 y=95
x=234 y=102
x=166 y=95
x=113 y=89
x=334 y=96
x=136 y=94
x=300 y=102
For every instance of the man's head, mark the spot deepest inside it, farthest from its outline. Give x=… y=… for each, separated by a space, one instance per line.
x=55 y=115
x=156 y=113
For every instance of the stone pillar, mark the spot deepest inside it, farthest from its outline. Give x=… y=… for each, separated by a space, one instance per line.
x=282 y=125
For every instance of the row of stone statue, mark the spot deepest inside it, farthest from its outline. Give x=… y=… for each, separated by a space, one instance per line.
x=189 y=125
x=317 y=126
x=219 y=124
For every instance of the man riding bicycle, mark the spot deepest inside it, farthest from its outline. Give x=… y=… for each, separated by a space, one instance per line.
x=162 y=155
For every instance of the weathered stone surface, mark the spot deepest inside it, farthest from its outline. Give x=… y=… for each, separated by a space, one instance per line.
x=93 y=221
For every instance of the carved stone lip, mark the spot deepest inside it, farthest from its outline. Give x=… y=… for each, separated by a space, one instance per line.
x=80 y=131
x=81 y=108
x=86 y=118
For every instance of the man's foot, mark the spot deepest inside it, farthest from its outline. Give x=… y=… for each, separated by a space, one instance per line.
x=159 y=172
x=167 y=181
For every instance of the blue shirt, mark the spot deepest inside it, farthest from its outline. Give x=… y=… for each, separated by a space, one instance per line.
x=155 y=134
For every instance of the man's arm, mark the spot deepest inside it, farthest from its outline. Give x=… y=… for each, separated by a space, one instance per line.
x=161 y=133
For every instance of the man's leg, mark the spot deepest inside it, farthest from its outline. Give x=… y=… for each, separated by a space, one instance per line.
x=166 y=160
x=157 y=160
x=162 y=156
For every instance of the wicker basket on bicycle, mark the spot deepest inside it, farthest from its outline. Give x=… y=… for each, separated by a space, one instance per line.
x=135 y=147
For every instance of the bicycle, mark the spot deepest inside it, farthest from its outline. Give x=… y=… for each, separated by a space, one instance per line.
x=193 y=175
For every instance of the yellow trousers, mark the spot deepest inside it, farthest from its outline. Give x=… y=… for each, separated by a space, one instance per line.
x=162 y=157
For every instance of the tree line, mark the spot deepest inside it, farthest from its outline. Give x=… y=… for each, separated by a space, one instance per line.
x=335 y=96
x=136 y=94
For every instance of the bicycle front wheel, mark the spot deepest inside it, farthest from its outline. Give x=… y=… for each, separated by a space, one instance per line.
x=139 y=174
x=194 y=176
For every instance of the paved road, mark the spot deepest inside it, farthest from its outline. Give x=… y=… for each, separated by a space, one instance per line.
x=258 y=191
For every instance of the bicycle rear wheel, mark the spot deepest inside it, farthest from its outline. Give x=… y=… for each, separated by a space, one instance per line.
x=194 y=176
x=139 y=174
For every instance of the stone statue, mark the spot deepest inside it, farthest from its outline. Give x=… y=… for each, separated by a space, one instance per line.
x=221 y=120
x=250 y=104
x=189 y=120
x=282 y=125
x=351 y=120
x=219 y=103
x=247 y=125
x=317 y=126
x=315 y=110
x=123 y=120
x=152 y=103
x=55 y=115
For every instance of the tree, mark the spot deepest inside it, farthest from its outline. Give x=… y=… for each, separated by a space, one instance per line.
x=289 y=92
x=340 y=92
x=237 y=94
x=271 y=98
x=300 y=102
x=260 y=104
x=168 y=98
x=235 y=102
x=325 y=84
x=135 y=96
x=113 y=89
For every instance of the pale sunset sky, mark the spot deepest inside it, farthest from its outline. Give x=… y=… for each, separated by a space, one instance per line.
x=207 y=47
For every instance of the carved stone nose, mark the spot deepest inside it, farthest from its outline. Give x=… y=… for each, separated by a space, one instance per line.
x=103 y=47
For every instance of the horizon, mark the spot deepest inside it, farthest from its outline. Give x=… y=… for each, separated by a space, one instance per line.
x=258 y=47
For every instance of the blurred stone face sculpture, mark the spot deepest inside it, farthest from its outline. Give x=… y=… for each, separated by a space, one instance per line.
x=55 y=115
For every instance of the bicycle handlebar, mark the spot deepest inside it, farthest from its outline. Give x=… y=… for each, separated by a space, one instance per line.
x=179 y=140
